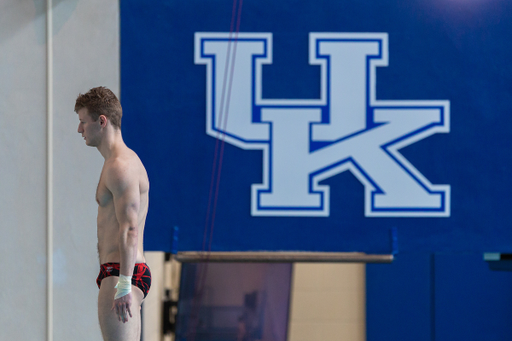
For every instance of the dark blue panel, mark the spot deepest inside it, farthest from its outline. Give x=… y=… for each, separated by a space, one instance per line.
x=398 y=299
x=438 y=50
x=441 y=297
x=473 y=303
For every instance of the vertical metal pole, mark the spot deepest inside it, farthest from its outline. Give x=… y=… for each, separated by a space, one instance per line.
x=49 y=170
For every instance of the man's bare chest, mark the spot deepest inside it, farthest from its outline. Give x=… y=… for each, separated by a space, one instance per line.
x=103 y=195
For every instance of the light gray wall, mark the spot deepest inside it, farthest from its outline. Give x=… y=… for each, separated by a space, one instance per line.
x=22 y=170
x=85 y=54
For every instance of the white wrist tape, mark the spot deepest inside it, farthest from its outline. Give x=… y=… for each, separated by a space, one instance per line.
x=124 y=286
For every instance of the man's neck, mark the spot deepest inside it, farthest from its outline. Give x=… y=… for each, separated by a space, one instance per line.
x=111 y=143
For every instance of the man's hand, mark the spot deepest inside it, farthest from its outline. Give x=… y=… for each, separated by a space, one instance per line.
x=122 y=306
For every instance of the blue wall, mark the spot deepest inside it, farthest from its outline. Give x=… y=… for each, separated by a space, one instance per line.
x=438 y=296
x=457 y=52
x=438 y=50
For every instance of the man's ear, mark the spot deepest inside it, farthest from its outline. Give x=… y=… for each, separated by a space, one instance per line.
x=103 y=120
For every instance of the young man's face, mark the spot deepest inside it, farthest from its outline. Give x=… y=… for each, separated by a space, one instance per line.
x=90 y=130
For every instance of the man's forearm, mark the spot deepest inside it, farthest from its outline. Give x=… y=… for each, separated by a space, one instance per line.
x=128 y=241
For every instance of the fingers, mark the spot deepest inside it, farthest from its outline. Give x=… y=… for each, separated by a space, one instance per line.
x=122 y=311
x=124 y=316
x=119 y=313
x=122 y=308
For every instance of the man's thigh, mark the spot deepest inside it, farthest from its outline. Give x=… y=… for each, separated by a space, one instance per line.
x=111 y=328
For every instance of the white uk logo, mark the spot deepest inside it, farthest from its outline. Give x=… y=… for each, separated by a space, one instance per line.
x=306 y=141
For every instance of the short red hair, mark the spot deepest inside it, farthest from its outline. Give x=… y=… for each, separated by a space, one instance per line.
x=101 y=101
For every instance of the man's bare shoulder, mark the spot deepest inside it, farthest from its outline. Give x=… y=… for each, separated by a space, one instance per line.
x=124 y=170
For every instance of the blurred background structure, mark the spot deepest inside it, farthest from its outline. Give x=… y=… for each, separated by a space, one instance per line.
x=299 y=165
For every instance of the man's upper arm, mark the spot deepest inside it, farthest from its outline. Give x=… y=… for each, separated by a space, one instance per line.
x=124 y=185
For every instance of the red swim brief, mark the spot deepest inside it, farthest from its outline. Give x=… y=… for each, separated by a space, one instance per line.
x=141 y=275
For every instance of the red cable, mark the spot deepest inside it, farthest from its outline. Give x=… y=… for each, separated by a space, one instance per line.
x=216 y=169
x=218 y=137
x=228 y=101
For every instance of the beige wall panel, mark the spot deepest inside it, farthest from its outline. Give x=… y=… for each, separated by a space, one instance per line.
x=328 y=302
x=152 y=307
x=338 y=331
x=22 y=170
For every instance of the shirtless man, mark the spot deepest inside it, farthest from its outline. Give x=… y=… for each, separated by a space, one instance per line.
x=122 y=197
